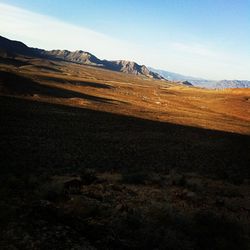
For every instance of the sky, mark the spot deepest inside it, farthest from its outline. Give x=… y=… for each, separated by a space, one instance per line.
x=203 y=38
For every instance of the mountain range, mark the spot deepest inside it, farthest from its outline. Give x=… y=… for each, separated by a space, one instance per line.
x=200 y=82
x=9 y=48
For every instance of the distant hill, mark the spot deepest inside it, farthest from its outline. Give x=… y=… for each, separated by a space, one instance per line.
x=199 y=82
x=233 y=84
x=187 y=83
x=78 y=56
x=12 y=48
x=223 y=84
x=131 y=68
x=171 y=76
x=9 y=48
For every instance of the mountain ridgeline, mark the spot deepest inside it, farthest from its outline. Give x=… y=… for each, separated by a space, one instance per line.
x=200 y=82
x=9 y=48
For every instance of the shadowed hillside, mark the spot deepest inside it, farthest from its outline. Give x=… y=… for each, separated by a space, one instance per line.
x=149 y=179
x=68 y=138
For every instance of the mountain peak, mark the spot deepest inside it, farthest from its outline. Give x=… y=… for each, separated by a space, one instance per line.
x=131 y=67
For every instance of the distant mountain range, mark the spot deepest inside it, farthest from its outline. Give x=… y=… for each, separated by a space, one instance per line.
x=9 y=48
x=199 y=82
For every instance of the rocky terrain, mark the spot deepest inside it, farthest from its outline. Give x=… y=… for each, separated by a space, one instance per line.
x=78 y=56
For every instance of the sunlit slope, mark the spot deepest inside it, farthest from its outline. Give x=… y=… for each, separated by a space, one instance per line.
x=99 y=89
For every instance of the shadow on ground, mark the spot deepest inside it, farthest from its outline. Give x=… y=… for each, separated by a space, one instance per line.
x=75 y=82
x=144 y=209
x=37 y=136
x=11 y=83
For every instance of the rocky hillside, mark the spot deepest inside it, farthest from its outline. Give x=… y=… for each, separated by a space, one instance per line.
x=77 y=56
x=9 y=48
x=131 y=68
x=12 y=48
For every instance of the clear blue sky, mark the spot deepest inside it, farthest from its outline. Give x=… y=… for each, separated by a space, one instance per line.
x=198 y=32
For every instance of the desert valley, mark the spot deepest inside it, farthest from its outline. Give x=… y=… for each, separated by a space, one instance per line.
x=100 y=154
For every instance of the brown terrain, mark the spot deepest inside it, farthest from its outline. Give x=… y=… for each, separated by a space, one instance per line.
x=104 y=90
x=92 y=158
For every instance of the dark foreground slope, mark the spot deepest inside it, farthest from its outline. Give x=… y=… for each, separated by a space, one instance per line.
x=39 y=136
x=152 y=185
